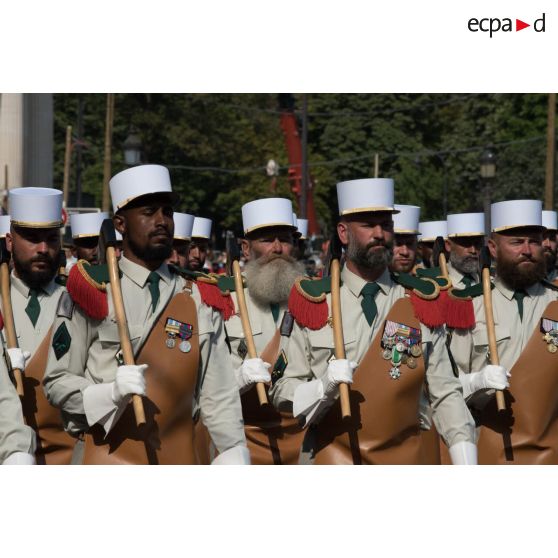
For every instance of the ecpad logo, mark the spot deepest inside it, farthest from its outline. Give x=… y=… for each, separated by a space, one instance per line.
x=494 y=24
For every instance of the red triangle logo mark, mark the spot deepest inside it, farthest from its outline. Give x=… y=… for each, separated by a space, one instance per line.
x=519 y=25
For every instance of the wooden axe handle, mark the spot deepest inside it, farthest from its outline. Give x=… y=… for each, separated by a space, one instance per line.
x=9 y=325
x=491 y=330
x=338 y=341
x=246 y=327
x=127 y=351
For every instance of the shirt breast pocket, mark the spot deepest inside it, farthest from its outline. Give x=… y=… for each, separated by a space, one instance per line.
x=109 y=337
x=480 y=337
x=323 y=339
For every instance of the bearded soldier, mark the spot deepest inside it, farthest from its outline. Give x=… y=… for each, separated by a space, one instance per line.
x=389 y=351
x=550 y=223
x=182 y=363
x=270 y=272
x=183 y=223
x=525 y=313
x=85 y=235
x=405 y=242
x=429 y=232
x=465 y=240
x=201 y=234
x=34 y=243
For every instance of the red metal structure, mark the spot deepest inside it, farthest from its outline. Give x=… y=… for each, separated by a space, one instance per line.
x=293 y=143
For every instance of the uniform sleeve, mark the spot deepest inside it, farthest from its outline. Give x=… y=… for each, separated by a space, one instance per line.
x=297 y=371
x=219 y=400
x=15 y=436
x=65 y=380
x=450 y=413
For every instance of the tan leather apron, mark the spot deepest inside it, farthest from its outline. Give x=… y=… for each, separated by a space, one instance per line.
x=54 y=444
x=527 y=432
x=384 y=425
x=168 y=436
x=273 y=438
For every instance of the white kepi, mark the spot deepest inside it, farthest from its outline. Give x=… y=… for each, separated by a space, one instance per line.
x=202 y=228
x=365 y=194
x=38 y=208
x=87 y=224
x=139 y=181
x=4 y=225
x=407 y=220
x=267 y=212
x=431 y=230
x=549 y=220
x=302 y=226
x=183 y=224
x=515 y=213
x=465 y=224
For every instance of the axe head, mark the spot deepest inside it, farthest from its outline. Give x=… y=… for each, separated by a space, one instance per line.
x=107 y=238
x=439 y=248
x=485 y=259
x=62 y=258
x=4 y=254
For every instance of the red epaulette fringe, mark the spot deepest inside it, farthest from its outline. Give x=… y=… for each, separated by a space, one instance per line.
x=431 y=313
x=88 y=297
x=212 y=296
x=312 y=315
x=460 y=314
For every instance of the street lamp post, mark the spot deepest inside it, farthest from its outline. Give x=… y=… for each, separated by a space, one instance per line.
x=487 y=173
x=132 y=148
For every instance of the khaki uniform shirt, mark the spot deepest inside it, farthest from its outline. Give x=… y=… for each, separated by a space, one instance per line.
x=92 y=359
x=29 y=337
x=262 y=324
x=309 y=351
x=470 y=348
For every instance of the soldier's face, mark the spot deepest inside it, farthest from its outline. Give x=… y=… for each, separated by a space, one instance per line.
x=425 y=250
x=197 y=254
x=179 y=254
x=35 y=253
x=87 y=249
x=404 y=253
x=147 y=230
x=464 y=252
x=549 y=248
x=276 y=240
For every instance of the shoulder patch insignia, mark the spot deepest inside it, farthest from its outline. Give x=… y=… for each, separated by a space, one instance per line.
x=287 y=324
x=61 y=341
x=65 y=307
x=279 y=368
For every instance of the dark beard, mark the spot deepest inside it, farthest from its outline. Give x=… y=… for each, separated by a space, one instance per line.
x=150 y=253
x=518 y=279
x=550 y=259
x=362 y=257
x=35 y=279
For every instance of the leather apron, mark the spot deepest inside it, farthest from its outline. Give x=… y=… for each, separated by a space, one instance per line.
x=272 y=437
x=54 y=444
x=168 y=436
x=527 y=432
x=384 y=425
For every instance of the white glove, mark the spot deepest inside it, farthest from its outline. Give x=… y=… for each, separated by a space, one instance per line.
x=238 y=455
x=463 y=453
x=18 y=357
x=250 y=372
x=490 y=377
x=129 y=380
x=19 y=458
x=339 y=371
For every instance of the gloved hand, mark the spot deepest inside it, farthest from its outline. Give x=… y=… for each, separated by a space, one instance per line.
x=250 y=372
x=129 y=380
x=490 y=377
x=18 y=358
x=338 y=371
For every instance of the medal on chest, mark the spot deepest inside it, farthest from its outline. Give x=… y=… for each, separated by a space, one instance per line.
x=400 y=346
x=178 y=332
x=549 y=328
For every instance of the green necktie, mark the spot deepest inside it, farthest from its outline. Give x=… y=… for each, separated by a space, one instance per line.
x=519 y=296
x=153 y=281
x=368 y=303
x=467 y=280
x=33 y=308
x=274 y=311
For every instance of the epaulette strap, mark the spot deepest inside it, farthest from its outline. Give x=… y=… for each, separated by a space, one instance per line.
x=468 y=293
x=87 y=286
x=307 y=302
x=435 y=274
x=226 y=283
x=424 y=287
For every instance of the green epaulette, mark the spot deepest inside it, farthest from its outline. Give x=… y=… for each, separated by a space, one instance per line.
x=469 y=292
x=434 y=273
x=424 y=287
x=226 y=283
